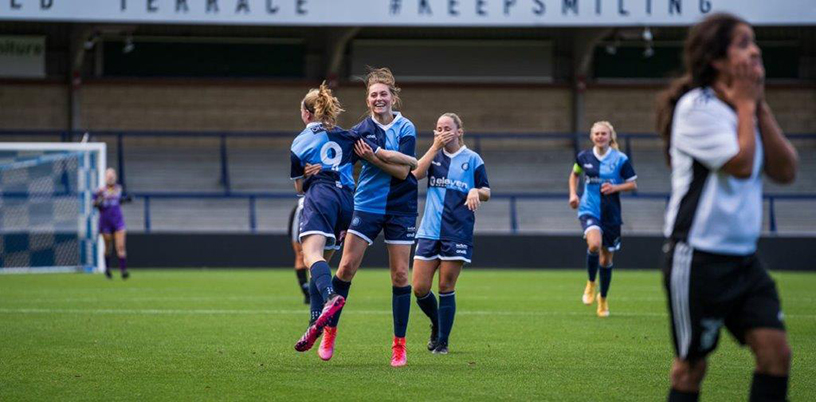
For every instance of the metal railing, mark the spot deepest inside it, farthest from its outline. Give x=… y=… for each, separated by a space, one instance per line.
x=475 y=138
x=252 y=197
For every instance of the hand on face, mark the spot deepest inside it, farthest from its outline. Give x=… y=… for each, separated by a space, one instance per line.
x=747 y=84
x=744 y=69
x=442 y=138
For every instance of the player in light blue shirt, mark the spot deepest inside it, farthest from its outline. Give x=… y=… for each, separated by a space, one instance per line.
x=607 y=172
x=385 y=200
x=457 y=185
x=328 y=201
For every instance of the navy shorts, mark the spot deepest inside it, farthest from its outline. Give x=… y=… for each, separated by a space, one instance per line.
x=397 y=229
x=445 y=250
x=327 y=211
x=610 y=233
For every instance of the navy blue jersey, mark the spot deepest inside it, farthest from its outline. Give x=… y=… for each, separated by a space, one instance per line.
x=333 y=149
x=377 y=191
x=450 y=178
x=614 y=168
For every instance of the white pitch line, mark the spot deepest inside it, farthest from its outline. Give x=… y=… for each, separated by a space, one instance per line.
x=304 y=312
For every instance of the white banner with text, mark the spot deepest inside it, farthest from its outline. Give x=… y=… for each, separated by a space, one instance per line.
x=439 y=13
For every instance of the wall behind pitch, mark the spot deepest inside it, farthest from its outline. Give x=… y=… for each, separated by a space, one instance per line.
x=204 y=105
x=33 y=106
x=632 y=109
x=175 y=250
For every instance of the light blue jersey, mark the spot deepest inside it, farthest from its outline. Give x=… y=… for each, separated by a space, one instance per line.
x=377 y=191
x=614 y=168
x=333 y=149
x=450 y=178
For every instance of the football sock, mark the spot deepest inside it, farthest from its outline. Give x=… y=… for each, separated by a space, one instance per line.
x=428 y=305
x=302 y=279
x=606 y=279
x=321 y=275
x=592 y=265
x=767 y=387
x=401 y=307
x=682 y=396
x=447 y=312
x=342 y=288
x=315 y=302
x=122 y=264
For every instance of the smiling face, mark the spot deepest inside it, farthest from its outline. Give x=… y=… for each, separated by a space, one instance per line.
x=600 y=135
x=742 y=50
x=380 y=100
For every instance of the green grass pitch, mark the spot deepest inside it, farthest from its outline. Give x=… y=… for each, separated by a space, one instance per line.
x=218 y=334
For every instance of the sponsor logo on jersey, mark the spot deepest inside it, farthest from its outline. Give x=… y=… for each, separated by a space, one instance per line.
x=445 y=182
x=371 y=137
x=464 y=246
x=588 y=165
x=435 y=163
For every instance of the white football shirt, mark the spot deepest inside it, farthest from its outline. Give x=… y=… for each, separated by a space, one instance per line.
x=710 y=209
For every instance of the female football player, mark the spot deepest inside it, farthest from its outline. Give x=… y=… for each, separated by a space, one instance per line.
x=457 y=185
x=108 y=200
x=721 y=136
x=328 y=200
x=607 y=172
x=385 y=200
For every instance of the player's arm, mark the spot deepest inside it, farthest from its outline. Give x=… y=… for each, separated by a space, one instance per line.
x=407 y=149
x=98 y=198
x=609 y=188
x=574 y=177
x=396 y=158
x=297 y=172
x=627 y=173
x=481 y=190
x=421 y=171
x=362 y=149
x=781 y=158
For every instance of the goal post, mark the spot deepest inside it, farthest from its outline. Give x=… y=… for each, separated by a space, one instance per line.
x=47 y=218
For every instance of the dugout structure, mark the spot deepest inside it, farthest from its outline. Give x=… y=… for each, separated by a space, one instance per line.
x=47 y=219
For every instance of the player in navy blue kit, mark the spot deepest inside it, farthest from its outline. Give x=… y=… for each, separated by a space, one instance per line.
x=328 y=202
x=721 y=136
x=457 y=185
x=607 y=172
x=385 y=201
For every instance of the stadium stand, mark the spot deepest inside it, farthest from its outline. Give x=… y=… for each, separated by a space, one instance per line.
x=186 y=186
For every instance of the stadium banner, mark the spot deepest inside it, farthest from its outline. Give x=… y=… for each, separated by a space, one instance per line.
x=510 y=13
x=22 y=56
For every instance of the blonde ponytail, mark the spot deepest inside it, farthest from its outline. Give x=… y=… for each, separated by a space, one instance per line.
x=322 y=103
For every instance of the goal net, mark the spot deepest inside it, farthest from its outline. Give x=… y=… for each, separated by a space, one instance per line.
x=47 y=218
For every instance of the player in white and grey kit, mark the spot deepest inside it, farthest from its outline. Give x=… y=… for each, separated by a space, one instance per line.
x=721 y=138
